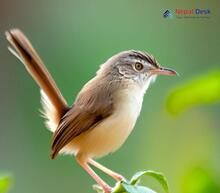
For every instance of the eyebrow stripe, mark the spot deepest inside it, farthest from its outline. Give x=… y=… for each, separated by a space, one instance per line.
x=145 y=56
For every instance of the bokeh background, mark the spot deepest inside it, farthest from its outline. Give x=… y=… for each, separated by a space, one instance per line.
x=74 y=37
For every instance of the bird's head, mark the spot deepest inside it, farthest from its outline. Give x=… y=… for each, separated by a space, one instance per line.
x=134 y=66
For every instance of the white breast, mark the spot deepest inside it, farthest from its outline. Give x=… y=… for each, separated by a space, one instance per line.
x=110 y=134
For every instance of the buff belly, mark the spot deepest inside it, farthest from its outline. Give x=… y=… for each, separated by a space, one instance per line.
x=112 y=132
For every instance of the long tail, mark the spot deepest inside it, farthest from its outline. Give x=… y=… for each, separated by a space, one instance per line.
x=54 y=104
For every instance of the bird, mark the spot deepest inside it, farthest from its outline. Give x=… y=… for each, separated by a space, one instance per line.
x=105 y=110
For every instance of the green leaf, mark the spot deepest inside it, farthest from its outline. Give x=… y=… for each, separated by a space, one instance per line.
x=158 y=176
x=118 y=188
x=124 y=187
x=132 y=187
x=201 y=90
x=5 y=183
x=137 y=189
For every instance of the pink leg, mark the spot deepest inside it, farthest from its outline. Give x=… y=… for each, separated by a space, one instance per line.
x=86 y=167
x=114 y=175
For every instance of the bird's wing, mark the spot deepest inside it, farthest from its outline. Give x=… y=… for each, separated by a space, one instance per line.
x=92 y=106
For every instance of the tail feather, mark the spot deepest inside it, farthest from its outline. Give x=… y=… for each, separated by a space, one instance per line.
x=54 y=104
x=49 y=112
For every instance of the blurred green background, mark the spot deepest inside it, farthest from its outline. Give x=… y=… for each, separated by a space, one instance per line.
x=74 y=38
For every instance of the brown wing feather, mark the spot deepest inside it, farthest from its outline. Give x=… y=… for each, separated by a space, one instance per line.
x=92 y=106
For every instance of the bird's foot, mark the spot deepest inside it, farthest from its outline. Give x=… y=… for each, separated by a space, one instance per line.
x=107 y=189
x=119 y=177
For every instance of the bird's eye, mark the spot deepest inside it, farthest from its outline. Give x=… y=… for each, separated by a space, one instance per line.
x=138 y=66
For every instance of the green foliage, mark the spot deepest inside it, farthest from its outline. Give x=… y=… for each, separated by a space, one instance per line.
x=201 y=90
x=132 y=185
x=137 y=189
x=5 y=183
x=201 y=180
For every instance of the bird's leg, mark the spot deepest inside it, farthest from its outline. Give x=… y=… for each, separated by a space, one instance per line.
x=89 y=170
x=111 y=173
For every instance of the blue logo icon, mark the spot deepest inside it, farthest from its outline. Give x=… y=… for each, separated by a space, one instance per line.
x=167 y=14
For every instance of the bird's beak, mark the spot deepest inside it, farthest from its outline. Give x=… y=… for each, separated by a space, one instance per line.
x=164 y=71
